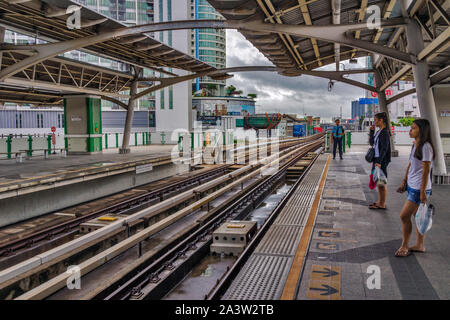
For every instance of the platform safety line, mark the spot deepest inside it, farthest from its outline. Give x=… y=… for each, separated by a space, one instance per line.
x=290 y=286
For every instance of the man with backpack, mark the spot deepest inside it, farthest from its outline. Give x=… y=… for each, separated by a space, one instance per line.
x=338 y=134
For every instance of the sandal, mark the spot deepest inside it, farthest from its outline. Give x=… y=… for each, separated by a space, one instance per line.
x=374 y=206
x=402 y=253
x=416 y=250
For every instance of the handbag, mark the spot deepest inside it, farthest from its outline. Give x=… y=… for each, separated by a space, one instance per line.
x=370 y=155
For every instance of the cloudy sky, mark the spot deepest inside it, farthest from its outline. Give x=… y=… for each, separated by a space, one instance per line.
x=296 y=95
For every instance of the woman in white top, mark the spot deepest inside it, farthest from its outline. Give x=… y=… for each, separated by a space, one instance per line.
x=417 y=182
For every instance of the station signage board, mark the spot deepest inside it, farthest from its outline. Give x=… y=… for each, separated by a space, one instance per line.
x=144 y=168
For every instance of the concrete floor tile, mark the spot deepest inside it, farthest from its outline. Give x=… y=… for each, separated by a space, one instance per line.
x=378 y=236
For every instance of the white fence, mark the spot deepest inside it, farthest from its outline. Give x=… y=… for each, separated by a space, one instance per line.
x=401 y=137
x=35 y=143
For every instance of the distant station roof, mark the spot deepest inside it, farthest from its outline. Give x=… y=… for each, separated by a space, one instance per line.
x=48 y=19
x=46 y=82
x=288 y=51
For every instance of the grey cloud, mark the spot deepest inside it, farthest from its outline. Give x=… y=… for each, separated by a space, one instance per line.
x=278 y=93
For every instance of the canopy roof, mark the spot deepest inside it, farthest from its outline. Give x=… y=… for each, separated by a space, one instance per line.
x=48 y=20
x=309 y=53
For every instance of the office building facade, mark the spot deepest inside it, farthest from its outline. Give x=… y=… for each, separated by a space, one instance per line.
x=358 y=110
x=208 y=45
x=130 y=12
x=174 y=104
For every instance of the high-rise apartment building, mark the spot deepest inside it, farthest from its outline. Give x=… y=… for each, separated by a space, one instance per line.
x=127 y=11
x=130 y=12
x=358 y=110
x=174 y=104
x=208 y=45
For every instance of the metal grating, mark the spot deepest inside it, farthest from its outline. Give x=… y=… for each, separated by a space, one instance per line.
x=293 y=216
x=300 y=201
x=307 y=189
x=264 y=274
x=260 y=278
x=280 y=240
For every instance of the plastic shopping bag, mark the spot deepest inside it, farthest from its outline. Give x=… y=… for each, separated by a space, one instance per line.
x=379 y=177
x=424 y=217
x=372 y=183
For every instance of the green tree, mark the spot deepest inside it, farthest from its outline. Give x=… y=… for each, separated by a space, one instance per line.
x=252 y=95
x=230 y=89
x=406 y=122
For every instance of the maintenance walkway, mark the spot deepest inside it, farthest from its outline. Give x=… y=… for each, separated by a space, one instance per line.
x=349 y=239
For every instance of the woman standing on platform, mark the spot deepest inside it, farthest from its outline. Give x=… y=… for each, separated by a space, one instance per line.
x=417 y=182
x=382 y=144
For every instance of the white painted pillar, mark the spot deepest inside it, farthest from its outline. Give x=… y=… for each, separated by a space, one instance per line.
x=425 y=94
x=2 y=40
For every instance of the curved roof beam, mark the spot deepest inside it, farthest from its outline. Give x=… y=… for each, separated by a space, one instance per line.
x=401 y=95
x=331 y=33
x=435 y=79
x=333 y=75
x=116 y=101
x=339 y=33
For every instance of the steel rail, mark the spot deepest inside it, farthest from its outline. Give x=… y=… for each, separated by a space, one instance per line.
x=10 y=247
x=130 y=284
x=48 y=233
x=54 y=254
x=219 y=290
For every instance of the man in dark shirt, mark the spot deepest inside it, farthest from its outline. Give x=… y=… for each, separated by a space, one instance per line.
x=338 y=133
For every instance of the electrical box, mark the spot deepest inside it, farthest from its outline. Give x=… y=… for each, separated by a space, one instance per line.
x=232 y=237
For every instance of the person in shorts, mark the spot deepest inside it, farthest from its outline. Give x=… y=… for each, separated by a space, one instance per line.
x=417 y=183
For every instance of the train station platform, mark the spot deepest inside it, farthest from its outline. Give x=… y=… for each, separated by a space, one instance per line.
x=326 y=244
x=37 y=185
x=37 y=168
x=349 y=241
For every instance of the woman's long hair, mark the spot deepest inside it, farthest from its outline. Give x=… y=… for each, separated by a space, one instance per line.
x=383 y=116
x=424 y=137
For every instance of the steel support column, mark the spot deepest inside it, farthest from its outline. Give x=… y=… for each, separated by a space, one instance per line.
x=2 y=40
x=425 y=94
x=130 y=113
x=382 y=101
